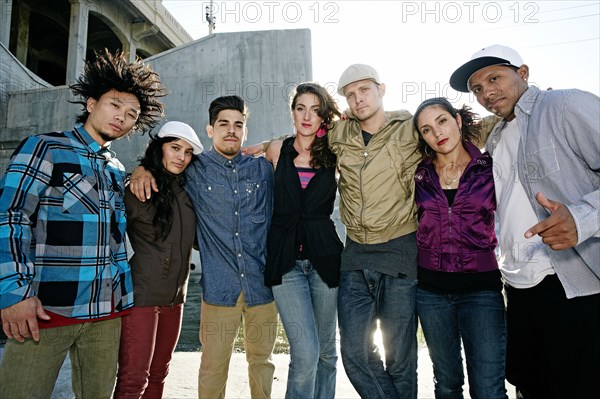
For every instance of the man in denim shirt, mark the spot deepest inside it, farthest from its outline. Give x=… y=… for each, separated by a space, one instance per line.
x=233 y=198
x=546 y=153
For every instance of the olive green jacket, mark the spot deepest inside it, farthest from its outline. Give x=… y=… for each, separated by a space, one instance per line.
x=376 y=182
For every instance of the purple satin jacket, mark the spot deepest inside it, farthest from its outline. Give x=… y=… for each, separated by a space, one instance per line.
x=458 y=238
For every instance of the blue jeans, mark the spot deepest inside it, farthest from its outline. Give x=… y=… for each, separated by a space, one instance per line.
x=478 y=318
x=364 y=297
x=308 y=308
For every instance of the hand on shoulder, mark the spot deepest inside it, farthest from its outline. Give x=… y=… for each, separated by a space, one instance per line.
x=142 y=183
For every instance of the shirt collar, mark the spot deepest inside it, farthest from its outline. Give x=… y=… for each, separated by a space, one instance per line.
x=528 y=100
x=221 y=160
x=87 y=139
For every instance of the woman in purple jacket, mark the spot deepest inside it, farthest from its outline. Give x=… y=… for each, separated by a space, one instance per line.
x=459 y=294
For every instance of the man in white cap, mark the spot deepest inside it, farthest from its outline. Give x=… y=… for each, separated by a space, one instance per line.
x=546 y=152
x=377 y=156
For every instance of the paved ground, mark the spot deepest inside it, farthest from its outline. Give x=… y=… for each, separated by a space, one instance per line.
x=182 y=381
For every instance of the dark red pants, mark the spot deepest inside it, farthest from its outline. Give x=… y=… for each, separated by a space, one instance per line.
x=149 y=335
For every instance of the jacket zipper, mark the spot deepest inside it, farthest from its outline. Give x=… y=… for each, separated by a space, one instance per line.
x=450 y=225
x=362 y=199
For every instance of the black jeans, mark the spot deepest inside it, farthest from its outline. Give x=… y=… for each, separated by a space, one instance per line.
x=553 y=342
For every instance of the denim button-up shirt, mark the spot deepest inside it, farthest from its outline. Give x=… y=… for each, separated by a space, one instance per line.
x=559 y=155
x=233 y=200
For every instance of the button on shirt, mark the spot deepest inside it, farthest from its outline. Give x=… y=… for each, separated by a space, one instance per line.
x=62 y=227
x=233 y=200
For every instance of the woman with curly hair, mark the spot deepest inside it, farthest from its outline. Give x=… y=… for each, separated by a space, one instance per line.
x=303 y=253
x=459 y=293
x=162 y=233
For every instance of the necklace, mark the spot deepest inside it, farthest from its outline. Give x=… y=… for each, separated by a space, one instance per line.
x=448 y=183
x=444 y=171
x=451 y=172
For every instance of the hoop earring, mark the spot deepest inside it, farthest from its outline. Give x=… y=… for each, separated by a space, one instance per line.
x=428 y=155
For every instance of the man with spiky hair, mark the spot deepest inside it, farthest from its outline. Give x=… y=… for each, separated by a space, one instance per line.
x=64 y=277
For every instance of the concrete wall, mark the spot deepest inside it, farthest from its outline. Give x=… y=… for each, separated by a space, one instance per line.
x=14 y=77
x=261 y=67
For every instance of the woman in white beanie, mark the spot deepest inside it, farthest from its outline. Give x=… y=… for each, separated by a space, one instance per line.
x=162 y=233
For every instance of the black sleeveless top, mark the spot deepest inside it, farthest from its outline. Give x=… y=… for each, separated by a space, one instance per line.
x=302 y=219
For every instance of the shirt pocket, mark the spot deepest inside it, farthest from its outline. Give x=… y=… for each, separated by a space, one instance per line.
x=404 y=163
x=255 y=200
x=544 y=164
x=212 y=199
x=80 y=194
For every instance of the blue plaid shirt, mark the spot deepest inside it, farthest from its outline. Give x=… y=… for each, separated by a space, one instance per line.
x=62 y=227
x=233 y=199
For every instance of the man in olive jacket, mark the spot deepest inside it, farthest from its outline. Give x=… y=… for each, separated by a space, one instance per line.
x=377 y=157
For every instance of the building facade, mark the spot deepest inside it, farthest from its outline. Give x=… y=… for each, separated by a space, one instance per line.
x=43 y=45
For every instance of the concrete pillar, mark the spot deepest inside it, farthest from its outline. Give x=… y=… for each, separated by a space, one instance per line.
x=22 y=43
x=78 y=30
x=130 y=48
x=5 y=17
x=139 y=32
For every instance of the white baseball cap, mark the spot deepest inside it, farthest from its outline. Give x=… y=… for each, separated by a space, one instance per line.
x=495 y=54
x=357 y=72
x=183 y=131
